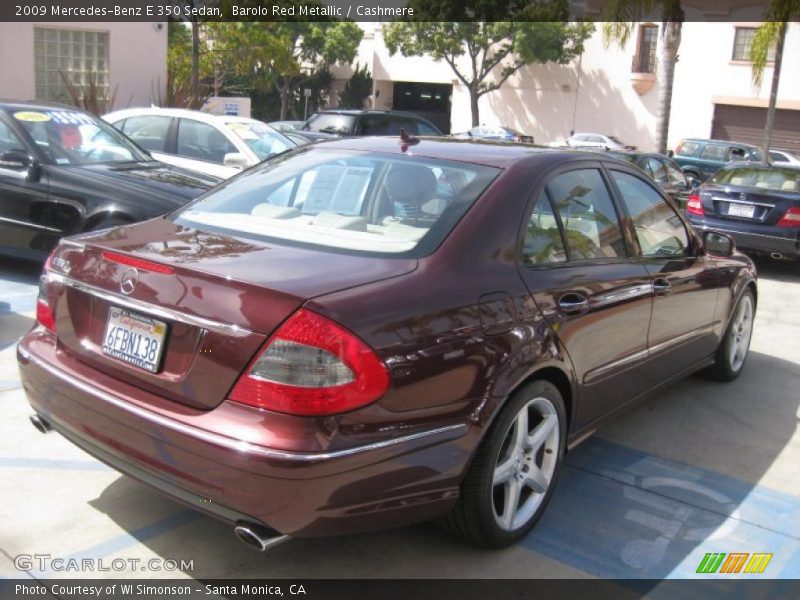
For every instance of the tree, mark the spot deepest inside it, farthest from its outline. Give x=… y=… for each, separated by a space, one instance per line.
x=772 y=35
x=183 y=66
x=475 y=50
x=621 y=17
x=357 y=89
x=281 y=54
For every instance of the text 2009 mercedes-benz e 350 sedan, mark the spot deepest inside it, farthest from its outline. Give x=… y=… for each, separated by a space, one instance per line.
x=375 y=332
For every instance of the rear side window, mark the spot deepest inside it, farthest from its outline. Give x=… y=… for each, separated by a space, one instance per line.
x=201 y=141
x=331 y=123
x=424 y=129
x=658 y=228
x=357 y=202
x=715 y=152
x=543 y=242
x=688 y=149
x=386 y=125
x=150 y=132
x=591 y=225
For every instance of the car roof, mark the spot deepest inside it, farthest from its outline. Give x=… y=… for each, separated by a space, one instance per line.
x=36 y=105
x=724 y=142
x=175 y=112
x=469 y=150
x=369 y=111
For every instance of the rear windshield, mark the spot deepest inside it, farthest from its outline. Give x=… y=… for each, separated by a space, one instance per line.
x=350 y=201
x=785 y=180
x=331 y=123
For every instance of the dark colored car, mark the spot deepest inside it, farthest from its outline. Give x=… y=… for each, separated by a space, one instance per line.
x=369 y=122
x=700 y=159
x=496 y=133
x=301 y=138
x=663 y=170
x=369 y=333
x=64 y=171
x=757 y=205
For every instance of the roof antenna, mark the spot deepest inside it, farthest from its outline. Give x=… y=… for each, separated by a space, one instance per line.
x=407 y=140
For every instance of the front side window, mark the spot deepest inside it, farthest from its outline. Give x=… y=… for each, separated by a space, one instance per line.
x=386 y=125
x=9 y=140
x=424 y=129
x=68 y=137
x=543 y=242
x=675 y=175
x=201 y=141
x=357 y=202
x=80 y=57
x=658 y=170
x=658 y=228
x=331 y=123
x=587 y=213
x=150 y=132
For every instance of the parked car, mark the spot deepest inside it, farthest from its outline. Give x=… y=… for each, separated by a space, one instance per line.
x=495 y=132
x=360 y=336
x=663 y=170
x=63 y=171
x=301 y=138
x=369 y=122
x=783 y=157
x=758 y=205
x=700 y=159
x=592 y=140
x=286 y=126
x=218 y=145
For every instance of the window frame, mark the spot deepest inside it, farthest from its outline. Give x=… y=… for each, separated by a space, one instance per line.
x=639 y=56
x=632 y=250
x=746 y=59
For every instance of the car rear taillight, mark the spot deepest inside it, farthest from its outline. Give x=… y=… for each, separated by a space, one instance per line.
x=312 y=366
x=791 y=218
x=694 y=206
x=44 y=313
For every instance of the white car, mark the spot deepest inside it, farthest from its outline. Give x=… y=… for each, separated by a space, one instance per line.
x=213 y=144
x=591 y=140
x=783 y=158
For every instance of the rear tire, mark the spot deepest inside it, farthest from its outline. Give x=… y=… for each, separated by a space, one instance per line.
x=514 y=470
x=735 y=345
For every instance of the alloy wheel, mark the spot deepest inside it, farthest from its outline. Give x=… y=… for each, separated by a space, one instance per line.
x=740 y=332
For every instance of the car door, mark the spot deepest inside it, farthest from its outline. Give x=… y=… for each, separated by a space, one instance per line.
x=202 y=147
x=711 y=158
x=684 y=281
x=577 y=265
x=23 y=196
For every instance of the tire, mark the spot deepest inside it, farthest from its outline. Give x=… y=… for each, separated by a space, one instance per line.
x=482 y=515
x=735 y=345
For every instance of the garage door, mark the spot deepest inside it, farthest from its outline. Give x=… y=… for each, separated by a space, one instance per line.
x=746 y=124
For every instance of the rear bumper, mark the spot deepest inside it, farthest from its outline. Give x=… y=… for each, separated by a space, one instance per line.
x=402 y=479
x=756 y=238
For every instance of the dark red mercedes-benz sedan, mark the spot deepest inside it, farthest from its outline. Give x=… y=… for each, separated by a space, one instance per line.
x=375 y=332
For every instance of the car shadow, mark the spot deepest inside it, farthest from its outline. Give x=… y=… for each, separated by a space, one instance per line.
x=690 y=471
x=18 y=288
x=787 y=271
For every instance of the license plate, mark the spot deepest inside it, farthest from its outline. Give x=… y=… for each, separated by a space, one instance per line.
x=741 y=210
x=134 y=338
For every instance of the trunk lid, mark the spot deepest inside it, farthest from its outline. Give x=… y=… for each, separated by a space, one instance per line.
x=220 y=300
x=747 y=204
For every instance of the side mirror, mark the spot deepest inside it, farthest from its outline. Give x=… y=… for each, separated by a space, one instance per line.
x=718 y=244
x=236 y=160
x=15 y=159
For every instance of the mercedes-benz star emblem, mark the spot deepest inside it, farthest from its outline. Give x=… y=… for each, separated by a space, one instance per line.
x=128 y=281
x=742 y=196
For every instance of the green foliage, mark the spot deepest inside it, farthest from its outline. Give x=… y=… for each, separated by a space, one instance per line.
x=179 y=69
x=357 y=89
x=266 y=101
x=438 y=32
x=766 y=36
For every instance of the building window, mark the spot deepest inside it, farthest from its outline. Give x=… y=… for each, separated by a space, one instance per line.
x=645 y=59
x=743 y=42
x=82 y=56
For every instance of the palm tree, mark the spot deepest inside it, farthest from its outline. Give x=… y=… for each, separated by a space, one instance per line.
x=621 y=17
x=772 y=34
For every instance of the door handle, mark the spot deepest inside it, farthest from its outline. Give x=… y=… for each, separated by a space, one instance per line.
x=572 y=303
x=662 y=287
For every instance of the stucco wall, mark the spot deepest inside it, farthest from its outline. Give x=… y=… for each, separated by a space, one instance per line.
x=137 y=60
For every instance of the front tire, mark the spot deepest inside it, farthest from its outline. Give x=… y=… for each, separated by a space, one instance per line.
x=514 y=471
x=735 y=345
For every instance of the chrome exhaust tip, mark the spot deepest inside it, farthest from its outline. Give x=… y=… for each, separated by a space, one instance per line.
x=41 y=423
x=257 y=536
x=776 y=256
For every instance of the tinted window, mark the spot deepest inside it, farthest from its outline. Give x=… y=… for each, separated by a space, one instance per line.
x=777 y=157
x=587 y=213
x=715 y=152
x=543 y=242
x=688 y=149
x=362 y=202
x=658 y=170
x=201 y=141
x=150 y=132
x=9 y=140
x=386 y=125
x=424 y=129
x=675 y=175
x=658 y=228
x=331 y=123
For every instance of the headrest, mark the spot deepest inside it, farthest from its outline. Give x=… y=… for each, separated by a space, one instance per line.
x=410 y=184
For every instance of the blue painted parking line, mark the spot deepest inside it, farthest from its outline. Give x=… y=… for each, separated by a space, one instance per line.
x=621 y=513
x=47 y=463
